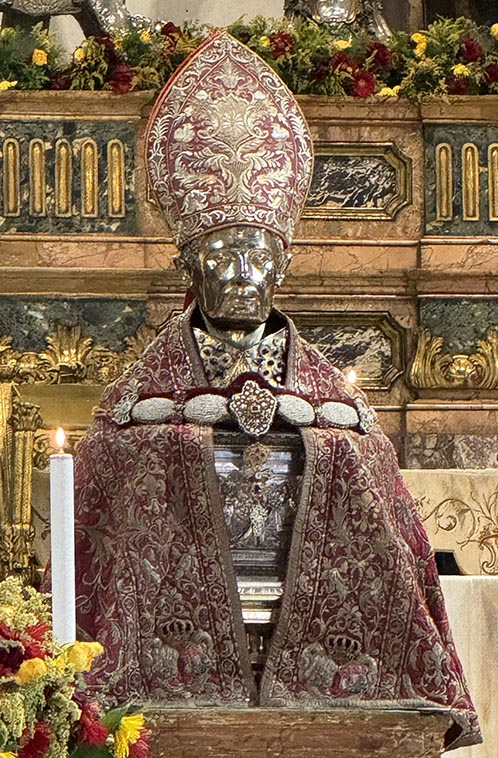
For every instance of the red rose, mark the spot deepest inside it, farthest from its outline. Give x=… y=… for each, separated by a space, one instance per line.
x=343 y=61
x=491 y=73
x=470 y=50
x=382 y=57
x=120 y=78
x=363 y=83
x=281 y=43
x=457 y=85
x=38 y=744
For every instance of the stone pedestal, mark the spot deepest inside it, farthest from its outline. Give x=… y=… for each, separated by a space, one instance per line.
x=279 y=733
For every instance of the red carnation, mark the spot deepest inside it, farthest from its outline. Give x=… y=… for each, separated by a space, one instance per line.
x=457 y=85
x=491 y=73
x=120 y=78
x=281 y=43
x=363 y=83
x=342 y=61
x=92 y=730
x=140 y=748
x=37 y=746
x=470 y=50
x=382 y=57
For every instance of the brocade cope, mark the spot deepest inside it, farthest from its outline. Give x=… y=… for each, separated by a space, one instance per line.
x=362 y=620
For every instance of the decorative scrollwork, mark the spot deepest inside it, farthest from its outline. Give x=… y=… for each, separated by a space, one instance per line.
x=431 y=368
x=70 y=358
x=475 y=520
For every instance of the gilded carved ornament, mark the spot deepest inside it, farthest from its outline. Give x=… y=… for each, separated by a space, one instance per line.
x=70 y=358
x=431 y=368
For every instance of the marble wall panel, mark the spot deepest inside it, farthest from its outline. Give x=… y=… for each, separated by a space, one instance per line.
x=106 y=321
x=475 y=255
x=371 y=344
x=461 y=322
x=452 y=436
x=350 y=256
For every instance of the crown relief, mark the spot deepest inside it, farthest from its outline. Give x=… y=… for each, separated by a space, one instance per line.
x=71 y=358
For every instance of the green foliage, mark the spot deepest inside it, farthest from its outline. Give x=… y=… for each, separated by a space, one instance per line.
x=452 y=56
x=90 y=66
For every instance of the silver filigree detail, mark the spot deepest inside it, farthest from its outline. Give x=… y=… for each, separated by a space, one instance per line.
x=339 y=414
x=206 y=410
x=295 y=410
x=153 y=410
x=253 y=408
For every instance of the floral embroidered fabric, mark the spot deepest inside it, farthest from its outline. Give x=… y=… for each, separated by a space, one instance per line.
x=362 y=619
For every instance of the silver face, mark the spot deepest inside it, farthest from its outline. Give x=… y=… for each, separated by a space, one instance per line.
x=235 y=276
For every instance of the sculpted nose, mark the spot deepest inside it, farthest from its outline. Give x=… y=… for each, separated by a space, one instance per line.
x=244 y=269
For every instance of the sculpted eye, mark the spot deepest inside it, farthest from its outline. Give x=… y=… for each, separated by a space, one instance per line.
x=217 y=258
x=260 y=258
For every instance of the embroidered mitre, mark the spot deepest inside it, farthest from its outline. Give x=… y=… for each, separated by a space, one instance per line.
x=228 y=145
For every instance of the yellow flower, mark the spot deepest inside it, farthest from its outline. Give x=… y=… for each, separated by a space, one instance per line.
x=80 y=655
x=494 y=30
x=460 y=70
x=420 y=44
x=5 y=84
x=127 y=734
x=39 y=57
x=145 y=36
x=264 y=41
x=342 y=44
x=79 y=54
x=388 y=91
x=31 y=669
x=7 y=755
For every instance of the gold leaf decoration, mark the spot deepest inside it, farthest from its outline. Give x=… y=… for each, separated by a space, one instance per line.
x=71 y=358
x=433 y=369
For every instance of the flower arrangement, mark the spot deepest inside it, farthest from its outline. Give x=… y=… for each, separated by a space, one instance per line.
x=450 y=57
x=44 y=712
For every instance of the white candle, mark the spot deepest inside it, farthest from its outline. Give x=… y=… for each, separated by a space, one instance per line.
x=62 y=543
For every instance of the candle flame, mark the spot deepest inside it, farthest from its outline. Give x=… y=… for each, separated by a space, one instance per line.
x=351 y=376
x=60 y=438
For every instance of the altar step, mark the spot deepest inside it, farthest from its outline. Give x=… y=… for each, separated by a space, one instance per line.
x=281 y=733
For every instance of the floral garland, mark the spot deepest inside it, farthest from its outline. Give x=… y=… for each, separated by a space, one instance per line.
x=451 y=57
x=44 y=712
